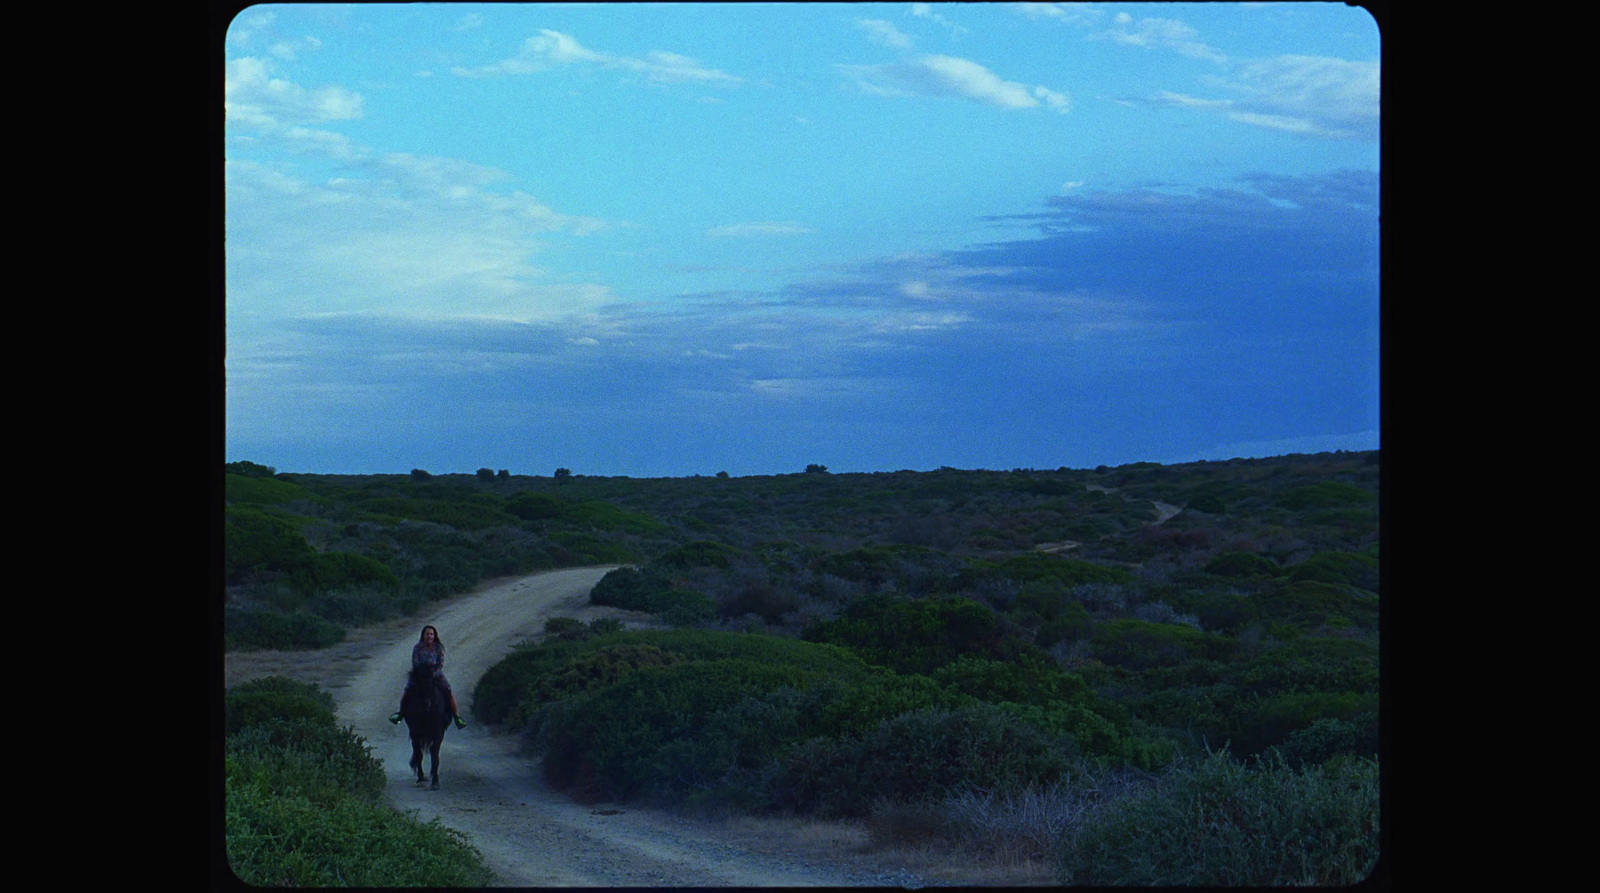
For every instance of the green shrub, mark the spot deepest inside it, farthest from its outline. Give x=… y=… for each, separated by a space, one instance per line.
x=1313 y=664
x=1224 y=823
x=1345 y=568
x=1310 y=605
x=1270 y=721
x=605 y=516
x=1222 y=612
x=309 y=757
x=537 y=506
x=912 y=636
x=1031 y=679
x=327 y=571
x=697 y=554
x=1330 y=737
x=246 y=629
x=303 y=801
x=1242 y=564
x=1208 y=504
x=275 y=698
x=585 y=672
x=629 y=588
x=286 y=840
x=609 y=742
x=261 y=490
x=1143 y=645
x=683 y=607
x=1040 y=567
x=255 y=540
x=361 y=605
x=462 y=515
x=917 y=756
x=1329 y=494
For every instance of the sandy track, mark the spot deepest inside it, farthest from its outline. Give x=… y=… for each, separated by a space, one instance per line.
x=529 y=835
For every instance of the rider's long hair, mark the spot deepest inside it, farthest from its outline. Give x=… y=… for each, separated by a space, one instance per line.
x=423 y=637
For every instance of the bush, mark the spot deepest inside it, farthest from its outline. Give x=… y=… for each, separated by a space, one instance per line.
x=613 y=742
x=1142 y=645
x=303 y=802
x=308 y=757
x=286 y=840
x=1328 y=738
x=628 y=588
x=1269 y=721
x=1345 y=568
x=1311 y=605
x=917 y=756
x=246 y=629
x=327 y=571
x=261 y=490
x=697 y=554
x=1242 y=564
x=1312 y=665
x=255 y=540
x=1221 y=822
x=912 y=636
x=275 y=698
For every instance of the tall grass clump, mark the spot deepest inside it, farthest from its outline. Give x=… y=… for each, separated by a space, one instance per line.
x=1225 y=822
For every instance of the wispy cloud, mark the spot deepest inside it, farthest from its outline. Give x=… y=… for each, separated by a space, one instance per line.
x=950 y=76
x=253 y=95
x=1311 y=96
x=1159 y=33
x=401 y=235
x=760 y=229
x=885 y=33
x=553 y=48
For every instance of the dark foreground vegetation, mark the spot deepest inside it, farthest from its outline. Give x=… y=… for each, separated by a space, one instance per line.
x=304 y=802
x=1064 y=661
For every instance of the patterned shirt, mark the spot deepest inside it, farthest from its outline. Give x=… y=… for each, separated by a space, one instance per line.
x=422 y=653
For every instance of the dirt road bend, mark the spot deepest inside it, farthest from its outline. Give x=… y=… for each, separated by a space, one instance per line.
x=530 y=835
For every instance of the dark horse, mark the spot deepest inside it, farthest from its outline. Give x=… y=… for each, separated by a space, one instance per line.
x=427 y=714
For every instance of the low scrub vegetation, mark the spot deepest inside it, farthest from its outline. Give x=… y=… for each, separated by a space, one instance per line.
x=845 y=644
x=304 y=802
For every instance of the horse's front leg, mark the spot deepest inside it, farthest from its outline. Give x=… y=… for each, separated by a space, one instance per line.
x=433 y=753
x=416 y=760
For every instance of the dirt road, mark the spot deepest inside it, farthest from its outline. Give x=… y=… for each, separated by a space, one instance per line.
x=529 y=835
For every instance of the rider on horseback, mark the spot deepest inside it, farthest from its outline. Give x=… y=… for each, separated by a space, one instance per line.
x=429 y=650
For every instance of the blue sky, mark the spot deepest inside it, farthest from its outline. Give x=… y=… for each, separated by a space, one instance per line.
x=676 y=239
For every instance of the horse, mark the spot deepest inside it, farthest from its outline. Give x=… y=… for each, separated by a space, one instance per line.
x=427 y=715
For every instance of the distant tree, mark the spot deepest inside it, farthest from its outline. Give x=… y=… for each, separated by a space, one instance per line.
x=503 y=475
x=722 y=474
x=816 y=469
x=418 y=474
x=563 y=472
x=485 y=474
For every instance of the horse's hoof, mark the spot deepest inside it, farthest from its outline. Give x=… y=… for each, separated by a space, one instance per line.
x=434 y=786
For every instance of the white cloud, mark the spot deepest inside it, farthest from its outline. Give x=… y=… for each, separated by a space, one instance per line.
x=1308 y=95
x=252 y=95
x=885 y=33
x=408 y=235
x=938 y=75
x=552 y=48
x=926 y=11
x=760 y=228
x=1157 y=33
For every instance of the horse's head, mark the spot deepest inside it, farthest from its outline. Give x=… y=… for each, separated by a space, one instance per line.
x=421 y=674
